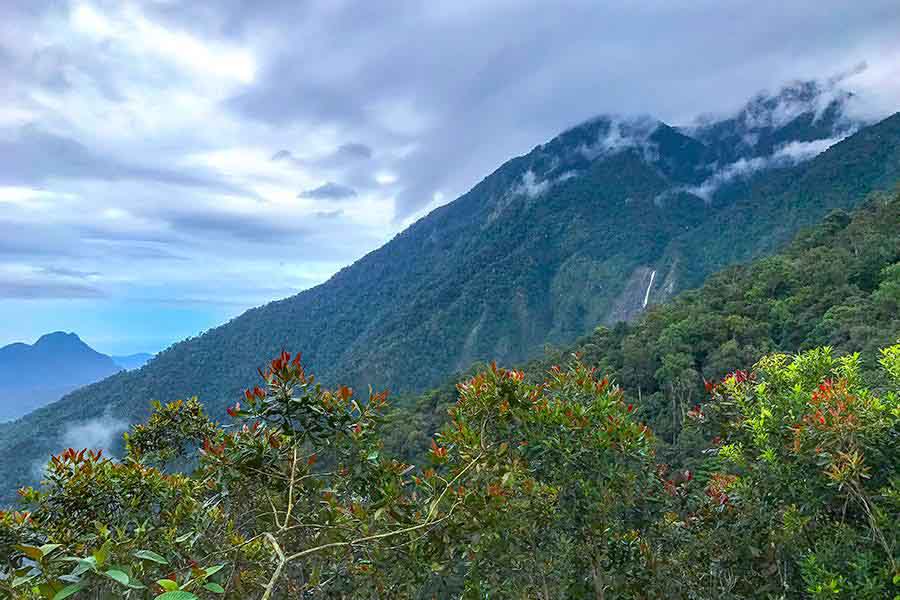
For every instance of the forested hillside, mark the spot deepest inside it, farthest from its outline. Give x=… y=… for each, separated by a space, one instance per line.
x=589 y=228
x=836 y=285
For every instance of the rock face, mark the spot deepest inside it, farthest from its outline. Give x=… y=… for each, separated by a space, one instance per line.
x=634 y=297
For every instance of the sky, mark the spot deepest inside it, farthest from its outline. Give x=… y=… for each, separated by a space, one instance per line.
x=166 y=165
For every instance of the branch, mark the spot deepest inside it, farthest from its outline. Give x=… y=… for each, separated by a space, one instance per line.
x=270 y=587
x=429 y=521
x=290 y=506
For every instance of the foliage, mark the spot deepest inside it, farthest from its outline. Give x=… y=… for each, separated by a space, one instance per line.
x=533 y=490
x=808 y=457
x=257 y=503
x=564 y=483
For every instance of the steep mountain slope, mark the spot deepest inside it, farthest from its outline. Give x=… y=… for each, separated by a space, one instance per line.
x=34 y=375
x=837 y=284
x=596 y=224
x=766 y=210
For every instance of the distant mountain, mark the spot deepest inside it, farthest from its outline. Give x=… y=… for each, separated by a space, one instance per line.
x=594 y=226
x=35 y=375
x=132 y=361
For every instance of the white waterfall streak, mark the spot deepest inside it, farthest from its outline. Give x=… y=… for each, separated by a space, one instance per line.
x=647 y=295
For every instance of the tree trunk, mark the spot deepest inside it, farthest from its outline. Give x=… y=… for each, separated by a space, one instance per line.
x=674 y=417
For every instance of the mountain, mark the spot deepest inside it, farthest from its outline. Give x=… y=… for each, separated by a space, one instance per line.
x=608 y=218
x=34 y=375
x=58 y=363
x=132 y=361
x=837 y=284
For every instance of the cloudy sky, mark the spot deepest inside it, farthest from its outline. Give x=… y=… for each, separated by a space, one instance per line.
x=165 y=165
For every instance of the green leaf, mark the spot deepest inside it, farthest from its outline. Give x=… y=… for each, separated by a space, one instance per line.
x=48 y=548
x=215 y=588
x=150 y=555
x=102 y=553
x=32 y=552
x=183 y=538
x=70 y=590
x=22 y=580
x=48 y=589
x=176 y=596
x=210 y=571
x=120 y=576
x=167 y=584
x=84 y=564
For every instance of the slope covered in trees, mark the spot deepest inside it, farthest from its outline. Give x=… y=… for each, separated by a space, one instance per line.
x=583 y=229
x=837 y=284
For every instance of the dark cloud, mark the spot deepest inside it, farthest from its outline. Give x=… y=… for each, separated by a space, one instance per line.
x=329 y=191
x=136 y=251
x=34 y=156
x=110 y=233
x=343 y=156
x=34 y=290
x=328 y=214
x=249 y=228
x=73 y=273
x=353 y=151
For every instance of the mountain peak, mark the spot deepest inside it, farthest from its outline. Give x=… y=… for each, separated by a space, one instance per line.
x=57 y=338
x=802 y=112
x=773 y=111
x=604 y=135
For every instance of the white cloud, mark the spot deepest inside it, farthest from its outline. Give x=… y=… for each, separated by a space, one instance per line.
x=623 y=134
x=144 y=38
x=795 y=152
x=738 y=169
x=385 y=178
x=530 y=185
x=95 y=434
x=785 y=155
